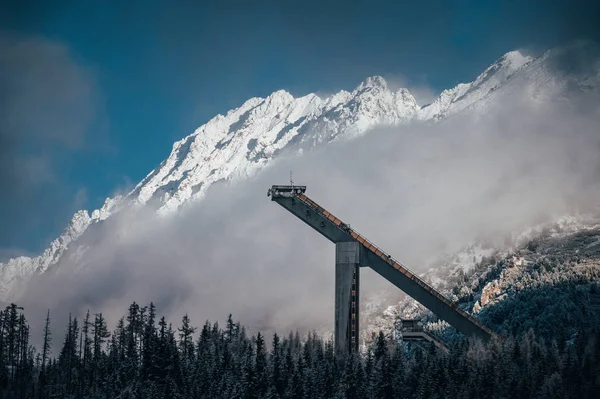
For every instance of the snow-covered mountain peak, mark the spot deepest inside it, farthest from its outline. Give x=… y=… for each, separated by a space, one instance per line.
x=501 y=70
x=372 y=82
x=78 y=223
x=109 y=206
x=514 y=60
x=340 y=97
x=404 y=96
x=465 y=95
x=278 y=98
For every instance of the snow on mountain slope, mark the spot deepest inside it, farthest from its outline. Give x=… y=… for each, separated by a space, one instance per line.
x=469 y=273
x=465 y=94
x=246 y=139
x=238 y=144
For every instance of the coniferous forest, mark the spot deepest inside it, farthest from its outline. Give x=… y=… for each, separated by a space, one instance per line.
x=145 y=357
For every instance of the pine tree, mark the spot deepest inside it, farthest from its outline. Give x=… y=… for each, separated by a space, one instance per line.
x=100 y=335
x=132 y=333
x=261 y=366
x=68 y=359
x=11 y=337
x=398 y=369
x=4 y=375
x=150 y=368
x=23 y=372
x=120 y=371
x=186 y=342
x=85 y=355
x=45 y=355
x=186 y=345
x=230 y=328
x=276 y=377
x=382 y=382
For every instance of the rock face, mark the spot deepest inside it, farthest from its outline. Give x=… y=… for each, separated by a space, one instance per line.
x=489 y=292
x=239 y=144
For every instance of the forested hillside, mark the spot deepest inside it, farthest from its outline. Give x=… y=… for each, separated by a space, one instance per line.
x=550 y=284
x=144 y=357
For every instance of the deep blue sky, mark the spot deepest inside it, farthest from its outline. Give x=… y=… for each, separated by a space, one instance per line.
x=154 y=71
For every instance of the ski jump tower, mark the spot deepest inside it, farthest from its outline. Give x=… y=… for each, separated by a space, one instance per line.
x=353 y=251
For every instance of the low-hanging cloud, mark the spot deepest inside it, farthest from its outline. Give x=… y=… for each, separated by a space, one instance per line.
x=418 y=191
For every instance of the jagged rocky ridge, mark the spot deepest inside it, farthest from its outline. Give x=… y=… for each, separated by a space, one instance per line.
x=237 y=145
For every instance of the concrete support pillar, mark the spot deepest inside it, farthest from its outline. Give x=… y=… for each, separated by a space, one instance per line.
x=347 y=283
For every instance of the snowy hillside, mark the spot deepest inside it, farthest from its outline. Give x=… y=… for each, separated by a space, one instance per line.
x=481 y=276
x=240 y=143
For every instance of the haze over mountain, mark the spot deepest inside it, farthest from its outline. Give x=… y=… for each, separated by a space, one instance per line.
x=515 y=147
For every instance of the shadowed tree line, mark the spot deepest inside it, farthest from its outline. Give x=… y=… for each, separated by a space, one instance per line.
x=146 y=357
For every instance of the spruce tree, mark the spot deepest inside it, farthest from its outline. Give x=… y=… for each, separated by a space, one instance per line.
x=276 y=372
x=68 y=358
x=45 y=355
x=261 y=366
x=186 y=343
